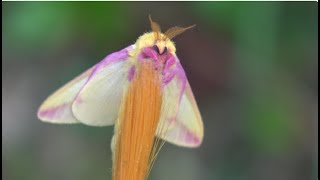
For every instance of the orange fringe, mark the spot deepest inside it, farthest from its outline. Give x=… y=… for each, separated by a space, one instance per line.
x=135 y=144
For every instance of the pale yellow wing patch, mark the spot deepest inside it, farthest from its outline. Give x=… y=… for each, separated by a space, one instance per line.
x=188 y=129
x=170 y=105
x=99 y=100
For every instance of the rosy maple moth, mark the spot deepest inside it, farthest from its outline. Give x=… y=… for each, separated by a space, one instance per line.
x=143 y=80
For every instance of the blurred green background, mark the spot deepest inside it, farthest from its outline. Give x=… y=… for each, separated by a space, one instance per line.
x=253 y=68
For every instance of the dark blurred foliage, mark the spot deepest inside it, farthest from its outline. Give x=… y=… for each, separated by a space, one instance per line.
x=252 y=66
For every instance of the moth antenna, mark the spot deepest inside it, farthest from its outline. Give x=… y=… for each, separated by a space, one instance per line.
x=155 y=27
x=174 y=31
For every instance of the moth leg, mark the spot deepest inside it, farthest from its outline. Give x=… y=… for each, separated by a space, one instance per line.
x=113 y=144
x=114 y=140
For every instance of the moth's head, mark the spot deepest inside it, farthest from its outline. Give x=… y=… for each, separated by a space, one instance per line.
x=158 y=41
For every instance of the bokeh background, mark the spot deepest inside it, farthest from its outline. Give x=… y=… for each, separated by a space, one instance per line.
x=253 y=68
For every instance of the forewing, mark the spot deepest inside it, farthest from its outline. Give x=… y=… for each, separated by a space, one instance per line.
x=99 y=100
x=185 y=127
x=58 y=108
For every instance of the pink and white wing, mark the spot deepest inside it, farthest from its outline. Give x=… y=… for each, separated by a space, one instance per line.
x=99 y=100
x=185 y=127
x=60 y=106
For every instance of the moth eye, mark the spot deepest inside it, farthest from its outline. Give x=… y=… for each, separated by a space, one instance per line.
x=165 y=50
x=155 y=47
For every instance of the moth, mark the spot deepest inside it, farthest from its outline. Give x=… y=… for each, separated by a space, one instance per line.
x=95 y=97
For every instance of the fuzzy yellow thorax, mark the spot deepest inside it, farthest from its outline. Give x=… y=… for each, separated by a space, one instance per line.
x=150 y=39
